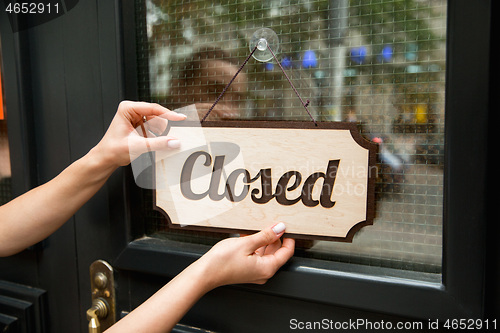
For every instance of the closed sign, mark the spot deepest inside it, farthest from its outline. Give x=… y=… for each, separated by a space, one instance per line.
x=241 y=176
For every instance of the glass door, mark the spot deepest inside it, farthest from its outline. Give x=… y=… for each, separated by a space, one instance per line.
x=381 y=65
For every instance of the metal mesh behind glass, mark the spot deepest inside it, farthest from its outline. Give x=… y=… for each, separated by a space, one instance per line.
x=378 y=63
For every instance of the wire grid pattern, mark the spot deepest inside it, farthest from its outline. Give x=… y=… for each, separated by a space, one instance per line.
x=378 y=63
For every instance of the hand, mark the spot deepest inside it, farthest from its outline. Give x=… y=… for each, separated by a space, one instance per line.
x=250 y=259
x=122 y=143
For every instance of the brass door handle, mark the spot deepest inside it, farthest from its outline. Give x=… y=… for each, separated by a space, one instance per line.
x=102 y=314
x=99 y=310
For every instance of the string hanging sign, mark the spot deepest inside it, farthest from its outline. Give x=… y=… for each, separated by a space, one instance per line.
x=241 y=176
x=261 y=48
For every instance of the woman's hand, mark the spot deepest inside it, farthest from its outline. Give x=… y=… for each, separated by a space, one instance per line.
x=36 y=214
x=124 y=140
x=250 y=259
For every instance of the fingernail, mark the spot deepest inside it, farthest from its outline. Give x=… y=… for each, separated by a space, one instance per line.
x=174 y=144
x=182 y=114
x=279 y=228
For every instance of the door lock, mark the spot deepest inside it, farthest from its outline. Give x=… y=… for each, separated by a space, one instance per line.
x=101 y=315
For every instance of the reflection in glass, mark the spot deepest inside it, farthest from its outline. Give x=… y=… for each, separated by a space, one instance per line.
x=5 y=172
x=380 y=64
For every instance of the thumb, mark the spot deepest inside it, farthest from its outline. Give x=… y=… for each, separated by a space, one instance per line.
x=265 y=237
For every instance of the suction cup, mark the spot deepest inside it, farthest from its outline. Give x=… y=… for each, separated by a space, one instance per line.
x=264 y=38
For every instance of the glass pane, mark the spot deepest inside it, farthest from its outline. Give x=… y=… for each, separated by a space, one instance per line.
x=378 y=63
x=5 y=187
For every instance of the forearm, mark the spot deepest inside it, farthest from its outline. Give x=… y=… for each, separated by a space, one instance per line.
x=33 y=216
x=162 y=311
x=36 y=214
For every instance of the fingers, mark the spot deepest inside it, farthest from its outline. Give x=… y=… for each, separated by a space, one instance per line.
x=273 y=259
x=272 y=248
x=160 y=143
x=261 y=251
x=138 y=144
x=285 y=252
x=265 y=237
x=156 y=125
x=172 y=115
x=157 y=116
x=141 y=109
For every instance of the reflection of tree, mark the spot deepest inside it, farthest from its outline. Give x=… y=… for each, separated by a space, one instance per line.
x=179 y=28
x=183 y=27
x=405 y=86
x=403 y=24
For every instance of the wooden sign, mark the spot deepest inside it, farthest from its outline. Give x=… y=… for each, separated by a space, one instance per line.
x=242 y=176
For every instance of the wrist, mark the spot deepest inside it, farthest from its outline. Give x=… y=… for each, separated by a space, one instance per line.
x=99 y=164
x=203 y=273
